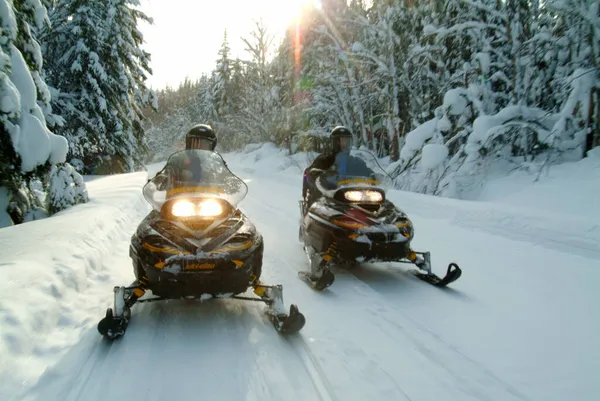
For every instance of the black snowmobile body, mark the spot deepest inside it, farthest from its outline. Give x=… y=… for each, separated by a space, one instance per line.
x=359 y=232
x=177 y=264
x=196 y=243
x=352 y=222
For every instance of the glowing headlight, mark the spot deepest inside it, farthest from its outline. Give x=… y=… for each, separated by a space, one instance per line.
x=353 y=196
x=209 y=208
x=364 y=196
x=373 y=196
x=183 y=208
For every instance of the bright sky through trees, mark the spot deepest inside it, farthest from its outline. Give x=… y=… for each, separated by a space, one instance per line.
x=187 y=34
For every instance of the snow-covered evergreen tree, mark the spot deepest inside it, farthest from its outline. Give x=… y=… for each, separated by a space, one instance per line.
x=221 y=78
x=28 y=148
x=95 y=61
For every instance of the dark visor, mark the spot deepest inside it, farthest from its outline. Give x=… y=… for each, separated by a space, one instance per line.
x=345 y=143
x=200 y=143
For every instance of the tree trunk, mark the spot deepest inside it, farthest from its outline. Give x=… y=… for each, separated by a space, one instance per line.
x=593 y=123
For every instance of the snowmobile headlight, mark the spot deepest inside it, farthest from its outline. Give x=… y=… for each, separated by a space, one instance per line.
x=209 y=208
x=353 y=196
x=363 y=196
x=183 y=208
x=373 y=196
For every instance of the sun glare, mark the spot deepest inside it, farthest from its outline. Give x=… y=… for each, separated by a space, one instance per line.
x=295 y=8
x=187 y=34
x=280 y=14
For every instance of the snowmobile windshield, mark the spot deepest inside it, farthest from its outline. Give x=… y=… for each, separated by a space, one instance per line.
x=357 y=168
x=193 y=174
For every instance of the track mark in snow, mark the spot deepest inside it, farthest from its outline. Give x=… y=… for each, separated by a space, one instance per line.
x=314 y=370
x=434 y=348
x=422 y=350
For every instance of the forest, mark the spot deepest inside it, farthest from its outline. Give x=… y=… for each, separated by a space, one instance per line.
x=446 y=90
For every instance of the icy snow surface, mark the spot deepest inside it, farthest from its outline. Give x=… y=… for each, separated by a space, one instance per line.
x=521 y=323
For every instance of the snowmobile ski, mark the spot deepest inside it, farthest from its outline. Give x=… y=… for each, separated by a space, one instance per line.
x=116 y=320
x=111 y=326
x=318 y=283
x=290 y=323
x=452 y=274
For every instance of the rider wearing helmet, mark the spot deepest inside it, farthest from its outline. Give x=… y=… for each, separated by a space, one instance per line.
x=200 y=137
x=341 y=141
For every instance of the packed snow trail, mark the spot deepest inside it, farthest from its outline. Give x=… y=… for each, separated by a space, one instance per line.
x=185 y=351
x=517 y=325
x=520 y=324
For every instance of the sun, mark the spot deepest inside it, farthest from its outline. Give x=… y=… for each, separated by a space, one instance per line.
x=280 y=14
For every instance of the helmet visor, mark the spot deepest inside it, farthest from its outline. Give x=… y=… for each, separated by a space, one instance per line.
x=200 y=143
x=344 y=143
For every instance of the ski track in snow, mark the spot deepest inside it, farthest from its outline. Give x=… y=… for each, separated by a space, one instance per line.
x=396 y=302
x=435 y=356
x=183 y=350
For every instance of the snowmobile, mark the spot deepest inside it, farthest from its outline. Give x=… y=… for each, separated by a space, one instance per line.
x=350 y=221
x=196 y=244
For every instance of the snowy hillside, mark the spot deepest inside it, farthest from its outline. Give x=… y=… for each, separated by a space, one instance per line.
x=519 y=325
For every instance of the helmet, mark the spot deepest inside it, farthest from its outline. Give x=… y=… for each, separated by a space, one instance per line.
x=201 y=136
x=341 y=139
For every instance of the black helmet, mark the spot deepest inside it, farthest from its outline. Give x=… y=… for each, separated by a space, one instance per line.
x=201 y=136
x=341 y=139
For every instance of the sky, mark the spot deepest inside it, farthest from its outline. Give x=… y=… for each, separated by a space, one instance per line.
x=186 y=35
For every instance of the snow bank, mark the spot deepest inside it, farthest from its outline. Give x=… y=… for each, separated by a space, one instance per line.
x=267 y=158
x=572 y=188
x=57 y=275
x=433 y=155
x=523 y=217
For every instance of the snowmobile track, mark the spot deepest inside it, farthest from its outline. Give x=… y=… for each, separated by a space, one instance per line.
x=314 y=370
x=437 y=353
x=440 y=352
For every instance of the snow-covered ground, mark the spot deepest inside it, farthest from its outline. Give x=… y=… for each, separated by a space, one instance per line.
x=522 y=323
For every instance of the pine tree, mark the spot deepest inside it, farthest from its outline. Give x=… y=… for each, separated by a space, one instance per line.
x=29 y=152
x=99 y=70
x=221 y=79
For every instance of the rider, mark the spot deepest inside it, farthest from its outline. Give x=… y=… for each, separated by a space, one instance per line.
x=201 y=137
x=341 y=141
